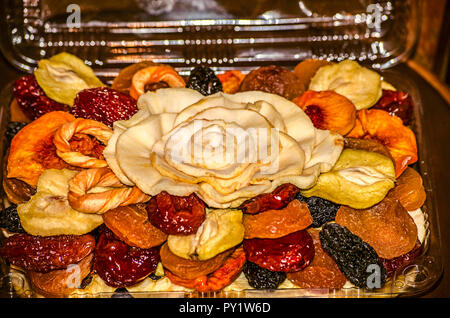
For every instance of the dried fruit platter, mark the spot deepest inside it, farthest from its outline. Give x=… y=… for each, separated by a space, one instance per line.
x=329 y=196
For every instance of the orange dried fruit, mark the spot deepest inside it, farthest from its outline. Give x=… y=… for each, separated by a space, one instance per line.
x=328 y=110
x=231 y=80
x=277 y=223
x=389 y=130
x=323 y=271
x=386 y=226
x=305 y=70
x=122 y=82
x=409 y=190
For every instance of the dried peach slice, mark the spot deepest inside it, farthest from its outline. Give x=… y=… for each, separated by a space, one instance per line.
x=409 y=190
x=389 y=130
x=328 y=110
x=305 y=70
x=231 y=80
x=386 y=226
x=122 y=82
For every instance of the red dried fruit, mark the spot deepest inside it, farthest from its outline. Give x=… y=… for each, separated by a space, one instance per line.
x=46 y=253
x=104 y=104
x=396 y=103
x=32 y=99
x=121 y=265
x=400 y=262
x=289 y=253
x=277 y=199
x=222 y=277
x=176 y=215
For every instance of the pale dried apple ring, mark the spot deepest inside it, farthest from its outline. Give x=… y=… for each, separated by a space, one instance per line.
x=81 y=126
x=100 y=202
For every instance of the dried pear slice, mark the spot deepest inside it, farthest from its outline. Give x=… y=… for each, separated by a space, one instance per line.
x=221 y=230
x=63 y=76
x=48 y=212
x=359 y=179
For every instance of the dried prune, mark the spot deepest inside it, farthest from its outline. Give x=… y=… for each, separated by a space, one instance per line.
x=121 y=293
x=323 y=271
x=204 y=80
x=396 y=103
x=262 y=278
x=9 y=220
x=277 y=223
x=176 y=215
x=43 y=254
x=121 y=265
x=356 y=259
x=12 y=129
x=289 y=253
x=400 y=262
x=322 y=211
x=277 y=199
x=222 y=277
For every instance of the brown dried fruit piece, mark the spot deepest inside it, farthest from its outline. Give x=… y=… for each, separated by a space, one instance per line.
x=191 y=269
x=46 y=253
x=16 y=190
x=368 y=145
x=131 y=224
x=217 y=280
x=323 y=271
x=122 y=82
x=277 y=223
x=305 y=70
x=386 y=226
x=328 y=110
x=60 y=283
x=409 y=190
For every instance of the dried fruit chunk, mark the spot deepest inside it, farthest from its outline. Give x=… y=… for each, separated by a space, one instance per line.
x=104 y=104
x=121 y=265
x=277 y=199
x=221 y=230
x=60 y=283
x=131 y=224
x=17 y=191
x=231 y=80
x=9 y=220
x=400 y=262
x=217 y=280
x=368 y=145
x=328 y=110
x=204 y=80
x=305 y=70
x=191 y=269
x=277 y=223
x=261 y=278
x=409 y=190
x=272 y=79
x=356 y=259
x=32 y=99
x=322 y=211
x=389 y=130
x=122 y=82
x=386 y=226
x=176 y=215
x=323 y=271
x=289 y=253
x=44 y=254
x=397 y=104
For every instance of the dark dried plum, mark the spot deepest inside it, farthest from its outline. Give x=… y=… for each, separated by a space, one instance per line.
x=9 y=220
x=204 y=80
x=322 y=211
x=356 y=259
x=261 y=278
x=12 y=129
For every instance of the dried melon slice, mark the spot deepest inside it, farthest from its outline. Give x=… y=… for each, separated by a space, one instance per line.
x=63 y=76
x=359 y=179
x=48 y=212
x=221 y=230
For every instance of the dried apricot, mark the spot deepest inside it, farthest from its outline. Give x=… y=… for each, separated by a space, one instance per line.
x=305 y=70
x=289 y=253
x=131 y=224
x=386 y=226
x=46 y=253
x=119 y=264
x=231 y=80
x=409 y=190
x=191 y=269
x=277 y=199
x=176 y=215
x=277 y=223
x=222 y=277
x=323 y=271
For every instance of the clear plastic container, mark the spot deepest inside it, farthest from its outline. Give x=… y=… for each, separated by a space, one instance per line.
x=227 y=35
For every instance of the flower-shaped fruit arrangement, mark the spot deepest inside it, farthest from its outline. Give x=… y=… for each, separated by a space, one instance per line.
x=142 y=186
